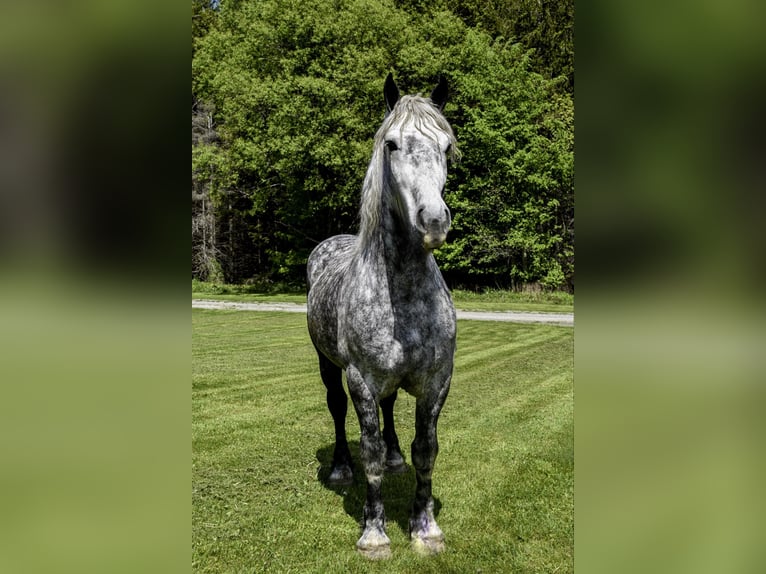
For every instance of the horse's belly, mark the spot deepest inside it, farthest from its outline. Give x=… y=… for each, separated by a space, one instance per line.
x=326 y=268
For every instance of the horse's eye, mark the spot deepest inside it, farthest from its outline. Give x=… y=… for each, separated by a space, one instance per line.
x=391 y=145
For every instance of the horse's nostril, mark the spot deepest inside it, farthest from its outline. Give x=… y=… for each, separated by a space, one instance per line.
x=433 y=218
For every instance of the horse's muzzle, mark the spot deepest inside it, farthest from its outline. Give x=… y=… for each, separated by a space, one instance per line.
x=435 y=224
x=434 y=240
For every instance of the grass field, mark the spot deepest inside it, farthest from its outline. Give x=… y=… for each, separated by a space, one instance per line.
x=503 y=482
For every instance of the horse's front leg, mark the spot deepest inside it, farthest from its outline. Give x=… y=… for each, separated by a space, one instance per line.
x=373 y=543
x=425 y=534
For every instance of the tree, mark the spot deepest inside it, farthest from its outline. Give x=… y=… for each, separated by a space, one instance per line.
x=205 y=252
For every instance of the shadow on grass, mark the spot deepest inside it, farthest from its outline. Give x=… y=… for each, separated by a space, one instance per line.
x=398 y=489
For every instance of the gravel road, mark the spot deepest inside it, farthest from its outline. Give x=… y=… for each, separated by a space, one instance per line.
x=563 y=319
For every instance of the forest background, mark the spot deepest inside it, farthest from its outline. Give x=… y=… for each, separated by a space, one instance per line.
x=286 y=99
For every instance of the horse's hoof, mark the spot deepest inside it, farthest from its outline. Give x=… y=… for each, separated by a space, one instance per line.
x=395 y=462
x=341 y=476
x=426 y=536
x=374 y=545
x=428 y=546
x=376 y=552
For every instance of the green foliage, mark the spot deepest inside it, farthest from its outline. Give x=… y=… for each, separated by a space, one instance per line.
x=512 y=194
x=250 y=291
x=297 y=95
x=546 y=28
x=203 y=19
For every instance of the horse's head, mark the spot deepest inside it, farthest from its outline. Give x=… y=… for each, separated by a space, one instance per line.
x=417 y=141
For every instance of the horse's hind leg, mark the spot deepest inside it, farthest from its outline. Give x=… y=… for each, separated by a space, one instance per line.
x=337 y=402
x=394 y=460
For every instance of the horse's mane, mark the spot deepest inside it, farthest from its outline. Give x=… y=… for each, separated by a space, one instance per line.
x=409 y=110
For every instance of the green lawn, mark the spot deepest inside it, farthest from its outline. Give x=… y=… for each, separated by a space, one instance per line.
x=500 y=300
x=261 y=432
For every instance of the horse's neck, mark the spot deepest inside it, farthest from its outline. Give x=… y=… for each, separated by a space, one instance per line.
x=394 y=252
x=408 y=267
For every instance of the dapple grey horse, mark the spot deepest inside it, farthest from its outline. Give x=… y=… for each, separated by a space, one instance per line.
x=379 y=308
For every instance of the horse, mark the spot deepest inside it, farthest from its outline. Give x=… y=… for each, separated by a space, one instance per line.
x=379 y=308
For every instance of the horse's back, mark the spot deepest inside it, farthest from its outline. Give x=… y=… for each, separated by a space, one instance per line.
x=325 y=269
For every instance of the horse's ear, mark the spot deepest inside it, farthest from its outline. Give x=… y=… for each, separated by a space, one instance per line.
x=390 y=92
x=439 y=94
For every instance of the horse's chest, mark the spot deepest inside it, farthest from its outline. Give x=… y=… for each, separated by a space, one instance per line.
x=401 y=342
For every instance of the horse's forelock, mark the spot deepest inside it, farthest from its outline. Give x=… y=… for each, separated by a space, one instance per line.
x=421 y=113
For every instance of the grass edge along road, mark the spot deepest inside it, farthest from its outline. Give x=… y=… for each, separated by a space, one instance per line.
x=563 y=319
x=261 y=433
x=487 y=300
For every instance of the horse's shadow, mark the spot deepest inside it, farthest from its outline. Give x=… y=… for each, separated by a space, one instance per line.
x=398 y=489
